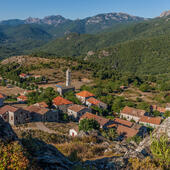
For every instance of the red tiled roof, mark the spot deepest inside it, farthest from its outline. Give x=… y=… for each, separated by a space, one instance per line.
x=128 y=132
x=23 y=75
x=36 y=109
x=94 y=101
x=133 y=111
x=2 y=96
x=151 y=120
x=58 y=101
x=42 y=104
x=102 y=121
x=123 y=122
x=112 y=125
x=22 y=97
x=7 y=108
x=76 y=107
x=85 y=94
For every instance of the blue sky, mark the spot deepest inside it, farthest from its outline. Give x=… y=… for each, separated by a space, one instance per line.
x=73 y=9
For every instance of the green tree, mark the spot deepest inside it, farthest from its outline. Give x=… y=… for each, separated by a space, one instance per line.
x=88 y=124
x=160 y=149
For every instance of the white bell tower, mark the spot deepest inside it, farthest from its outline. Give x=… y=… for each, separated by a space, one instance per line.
x=68 y=78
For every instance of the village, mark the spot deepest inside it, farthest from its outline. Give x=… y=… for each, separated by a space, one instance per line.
x=128 y=123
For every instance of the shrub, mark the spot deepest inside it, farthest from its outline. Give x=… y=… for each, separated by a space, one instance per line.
x=12 y=156
x=160 y=149
x=88 y=124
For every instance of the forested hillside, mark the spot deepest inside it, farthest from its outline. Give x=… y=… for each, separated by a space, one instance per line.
x=80 y=44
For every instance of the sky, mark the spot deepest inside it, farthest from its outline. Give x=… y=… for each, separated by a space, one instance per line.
x=74 y=9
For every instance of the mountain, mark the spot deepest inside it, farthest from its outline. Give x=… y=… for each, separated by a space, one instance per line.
x=56 y=20
x=165 y=13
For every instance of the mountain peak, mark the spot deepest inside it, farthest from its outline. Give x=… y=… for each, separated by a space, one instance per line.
x=165 y=13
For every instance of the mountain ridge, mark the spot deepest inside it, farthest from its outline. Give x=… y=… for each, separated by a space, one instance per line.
x=58 y=19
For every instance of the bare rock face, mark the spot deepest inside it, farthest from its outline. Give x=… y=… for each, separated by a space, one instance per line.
x=164 y=128
x=6 y=133
x=165 y=13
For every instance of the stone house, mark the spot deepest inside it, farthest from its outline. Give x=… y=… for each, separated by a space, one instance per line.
x=84 y=95
x=94 y=102
x=132 y=113
x=76 y=111
x=22 y=99
x=39 y=114
x=118 y=121
x=150 y=121
x=61 y=90
x=103 y=122
x=61 y=104
x=2 y=98
x=168 y=107
x=13 y=115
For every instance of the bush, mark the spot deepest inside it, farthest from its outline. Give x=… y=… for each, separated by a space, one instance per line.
x=88 y=124
x=12 y=156
x=160 y=149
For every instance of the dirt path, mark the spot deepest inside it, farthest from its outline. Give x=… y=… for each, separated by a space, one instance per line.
x=42 y=127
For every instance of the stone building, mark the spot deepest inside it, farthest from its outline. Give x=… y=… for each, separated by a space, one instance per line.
x=150 y=121
x=76 y=111
x=39 y=114
x=22 y=99
x=68 y=87
x=61 y=104
x=103 y=122
x=94 y=102
x=14 y=115
x=132 y=113
x=84 y=95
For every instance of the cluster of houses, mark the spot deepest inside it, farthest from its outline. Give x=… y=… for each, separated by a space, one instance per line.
x=131 y=121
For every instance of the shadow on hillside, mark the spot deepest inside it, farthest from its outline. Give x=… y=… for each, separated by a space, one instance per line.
x=46 y=156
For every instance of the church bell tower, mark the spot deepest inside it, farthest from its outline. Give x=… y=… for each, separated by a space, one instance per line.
x=68 y=78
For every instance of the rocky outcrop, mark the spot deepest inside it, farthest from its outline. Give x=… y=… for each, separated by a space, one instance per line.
x=43 y=155
x=164 y=128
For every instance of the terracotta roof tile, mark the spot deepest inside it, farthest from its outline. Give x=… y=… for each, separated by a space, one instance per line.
x=102 y=121
x=128 y=132
x=94 y=101
x=151 y=120
x=22 y=97
x=36 y=109
x=58 y=101
x=7 y=108
x=42 y=104
x=123 y=122
x=133 y=111
x=76 y=107
x=2 y=96
x=85 y=94
x=23 y=75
